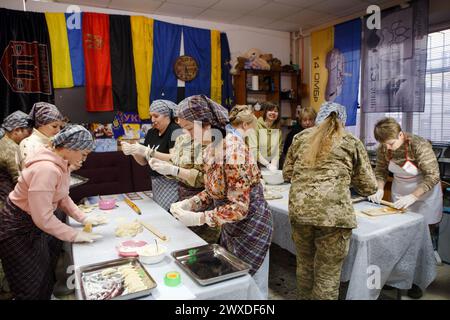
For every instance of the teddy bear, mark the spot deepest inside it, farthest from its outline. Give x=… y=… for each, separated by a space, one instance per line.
x=254 y=60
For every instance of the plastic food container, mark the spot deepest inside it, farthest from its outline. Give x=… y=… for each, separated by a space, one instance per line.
x=107 y=204
x=129 y=248
x=151 y=253
x=273 y=177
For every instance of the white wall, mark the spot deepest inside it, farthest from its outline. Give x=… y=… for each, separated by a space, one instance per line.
x=240 y=38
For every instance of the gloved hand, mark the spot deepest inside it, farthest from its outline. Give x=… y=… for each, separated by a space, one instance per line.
x=186 y=204
x=190 y=218
x=163 y=167
x=95 y=219
x=86 y=237
x=135 y=149
x=272 y=167
x=405 y=201
x=377 y=197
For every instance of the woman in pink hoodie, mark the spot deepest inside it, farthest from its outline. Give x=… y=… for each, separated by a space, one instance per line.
x=30 y=232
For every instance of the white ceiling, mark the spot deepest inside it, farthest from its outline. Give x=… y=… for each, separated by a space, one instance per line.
x=282 y=15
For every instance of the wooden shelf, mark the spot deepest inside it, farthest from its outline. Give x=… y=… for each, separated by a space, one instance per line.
x=260 y=91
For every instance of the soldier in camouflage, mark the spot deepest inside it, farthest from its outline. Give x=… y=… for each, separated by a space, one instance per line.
x=322 y=163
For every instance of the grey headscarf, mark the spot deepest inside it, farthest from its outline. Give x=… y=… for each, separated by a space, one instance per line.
x=44 y=113
x=164 y=107
x=201 y=108
x=17 y=119
x=327 y=108
x=74 y=137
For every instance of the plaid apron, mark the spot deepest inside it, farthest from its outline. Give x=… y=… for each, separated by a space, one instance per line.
x=28 y=254
x=6 y=186
x=250 y=238
x=165 y=191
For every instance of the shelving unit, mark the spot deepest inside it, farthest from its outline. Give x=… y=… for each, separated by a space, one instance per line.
x=270 y=89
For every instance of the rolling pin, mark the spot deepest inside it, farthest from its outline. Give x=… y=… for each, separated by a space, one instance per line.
x=153 y=230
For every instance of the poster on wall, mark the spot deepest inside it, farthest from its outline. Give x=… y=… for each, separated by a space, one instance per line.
x=394 y=60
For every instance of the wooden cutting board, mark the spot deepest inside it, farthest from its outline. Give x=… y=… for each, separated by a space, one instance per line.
x=382 y=211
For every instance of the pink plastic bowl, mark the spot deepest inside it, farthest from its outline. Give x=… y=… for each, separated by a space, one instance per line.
x=128 y=248
x=107 y=204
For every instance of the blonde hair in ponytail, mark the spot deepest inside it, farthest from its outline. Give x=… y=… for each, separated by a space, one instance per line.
x=322 y=139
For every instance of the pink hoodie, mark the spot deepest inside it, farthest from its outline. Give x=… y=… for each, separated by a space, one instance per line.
x=42 y=188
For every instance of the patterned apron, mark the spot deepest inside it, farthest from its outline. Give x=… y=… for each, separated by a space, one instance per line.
x=250 y=238
x=406 y=180
x=165 y=191
x=28 y=254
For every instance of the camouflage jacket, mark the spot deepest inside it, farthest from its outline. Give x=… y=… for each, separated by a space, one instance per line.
x=420 y=153
x=320 y=196
x=189 y=155
x=8 y=155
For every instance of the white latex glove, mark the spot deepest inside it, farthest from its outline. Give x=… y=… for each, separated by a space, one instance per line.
x=135 y=149
x=190 y=218
x=405 y=201
x=271 y=167
x=377 y=197
x=86 y=237
x=186 y=204
x=95 y=219
x=163 y=167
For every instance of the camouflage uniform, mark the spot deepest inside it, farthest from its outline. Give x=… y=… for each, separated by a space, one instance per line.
x=420 y=153
x=321 y=211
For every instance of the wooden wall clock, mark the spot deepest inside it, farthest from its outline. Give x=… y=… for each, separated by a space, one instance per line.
x=185 y=68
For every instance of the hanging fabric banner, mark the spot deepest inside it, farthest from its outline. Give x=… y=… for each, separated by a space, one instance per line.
x=57 y=30
x=343 y=68
x=25 y=67
x=166 y=44
x=322 y=42
x=142 y=36
x=197 y=44
x=227 y=84
x=216 y=67
x=122 y=64
x=75 y=37
x=394 y=60
x=97 y=59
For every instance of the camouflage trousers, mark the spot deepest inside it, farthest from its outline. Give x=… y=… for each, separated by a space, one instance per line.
x=320 y=254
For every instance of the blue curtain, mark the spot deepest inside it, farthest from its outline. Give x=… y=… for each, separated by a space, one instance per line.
x=74 y=35
x=347 y=38
x=197 y=44
x=227 y=85
x=166 y=49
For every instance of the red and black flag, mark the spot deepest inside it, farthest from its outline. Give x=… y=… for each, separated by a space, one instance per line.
x=122 y=64
x=25 y=63
x=97 y=61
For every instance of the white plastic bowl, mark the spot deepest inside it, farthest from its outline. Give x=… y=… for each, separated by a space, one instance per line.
x=149 y=255
x=273 y=177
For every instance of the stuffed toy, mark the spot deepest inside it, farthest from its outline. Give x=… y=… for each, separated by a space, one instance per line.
x=254 y=60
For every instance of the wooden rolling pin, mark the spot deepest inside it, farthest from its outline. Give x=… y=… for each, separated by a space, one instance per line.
x=153 y=230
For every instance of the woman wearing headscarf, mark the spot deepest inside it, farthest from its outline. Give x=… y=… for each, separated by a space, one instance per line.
x=232 y=186
x=321 y=164
x=265 y=142
x=14 y=129
x=47 y=121
x=30 y=232
x=160 y=137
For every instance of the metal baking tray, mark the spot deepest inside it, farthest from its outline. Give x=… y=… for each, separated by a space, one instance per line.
x=76 y=180
x=210 y=264
x=92 y=269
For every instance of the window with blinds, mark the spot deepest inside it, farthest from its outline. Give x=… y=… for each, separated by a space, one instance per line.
x=434 y=123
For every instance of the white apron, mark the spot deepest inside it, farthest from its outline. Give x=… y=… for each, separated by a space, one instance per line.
x=406 y=180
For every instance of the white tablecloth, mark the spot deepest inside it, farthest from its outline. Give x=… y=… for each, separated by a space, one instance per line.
x=399 y=245
x=180 y=237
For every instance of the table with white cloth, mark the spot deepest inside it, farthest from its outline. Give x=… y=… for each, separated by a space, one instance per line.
x=396 y=247
x=179 y=237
